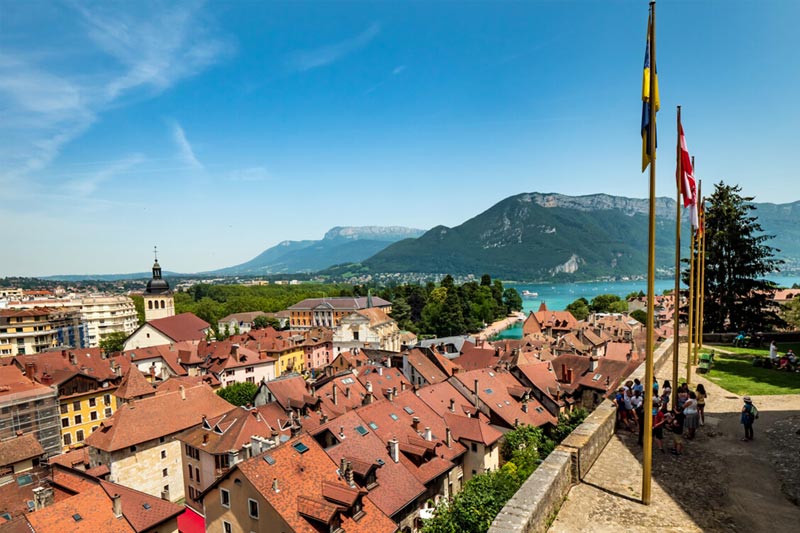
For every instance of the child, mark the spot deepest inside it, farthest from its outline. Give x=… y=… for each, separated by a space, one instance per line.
x=675 y=424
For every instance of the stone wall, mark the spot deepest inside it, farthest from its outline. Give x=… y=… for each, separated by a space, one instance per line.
x=535 y=504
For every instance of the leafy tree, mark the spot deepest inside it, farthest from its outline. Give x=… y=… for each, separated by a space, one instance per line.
x=239 y=394
x=602 y=303
x=138 y=303
x=113 y=342
x=579 y=308
x=639 y=315
x=791 y=312
x=512 y=300
x=635 y=294
x=737 y=297
x=261 y=322
x=620 y=306
x=486 y=280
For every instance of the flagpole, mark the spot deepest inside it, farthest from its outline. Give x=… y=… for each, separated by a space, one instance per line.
x=676 y=343
x=697 y=283
x=692 y=301
x=647 y=459
x=701 y=290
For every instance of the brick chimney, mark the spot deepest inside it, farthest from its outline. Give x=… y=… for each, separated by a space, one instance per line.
x=30 y=370
x=452 y=405
x=427 y=435
x=183 y=392
x=415 y=423
x=448 y=437
x=475 y=388
x=390 y=395
x=335 y=394
x=592 y=364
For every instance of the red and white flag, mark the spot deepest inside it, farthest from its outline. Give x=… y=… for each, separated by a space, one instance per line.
x=686 y=180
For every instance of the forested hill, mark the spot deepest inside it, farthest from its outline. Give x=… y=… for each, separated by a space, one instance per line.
x=537 y=236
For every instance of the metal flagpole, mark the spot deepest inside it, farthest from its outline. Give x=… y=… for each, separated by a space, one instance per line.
x=692 y=298
x=676 y=343
x=701 y=290
x=697 y=283
x=647 y=459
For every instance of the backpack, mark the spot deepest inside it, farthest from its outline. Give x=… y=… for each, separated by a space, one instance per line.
x=753 y=411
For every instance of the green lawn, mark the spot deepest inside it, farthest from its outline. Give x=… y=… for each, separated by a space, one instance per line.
x=736 y=373
x=782 y=348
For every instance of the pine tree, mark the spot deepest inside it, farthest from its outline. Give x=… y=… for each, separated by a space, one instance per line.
x=737 y=297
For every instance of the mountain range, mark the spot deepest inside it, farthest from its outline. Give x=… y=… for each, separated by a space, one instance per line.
x=537 y=236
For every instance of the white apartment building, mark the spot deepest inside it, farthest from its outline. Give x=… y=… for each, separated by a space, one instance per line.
x=108 y=314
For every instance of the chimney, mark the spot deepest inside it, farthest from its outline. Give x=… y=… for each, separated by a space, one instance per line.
x=347 y=392
x=569 y=374
x=369 y=386
x=394 y=390
x=30 y=370
x=427 y=435
x=448 y=437
x=72 y=359
x=394 y=450
x=403 y=386
x=524 y=407
x=335 y=394
x=183 y=392
x=348 y=475
x=234 y=349
x=415 y=423
x=380 y=370
x=42 y=497
x=475 y=388
x=389 y=362
x=275 y=488
x=341 y=431
x=205 y=439
x=323 y=418
x=452 y=405
x=390 y=395
x=516 y=422
x=592 y=364
x=116 y=505
x=342 y=466
x=563 y=372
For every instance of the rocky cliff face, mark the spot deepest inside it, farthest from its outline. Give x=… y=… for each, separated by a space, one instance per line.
x=377 y=233
x=665 y=207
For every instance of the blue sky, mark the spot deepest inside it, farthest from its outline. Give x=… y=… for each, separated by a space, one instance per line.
x=215 y=130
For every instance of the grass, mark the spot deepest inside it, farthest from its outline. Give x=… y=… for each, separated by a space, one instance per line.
x=736 y=373
x=782 y=348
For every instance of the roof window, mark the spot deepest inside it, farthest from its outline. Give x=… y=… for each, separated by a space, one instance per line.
x=300 y=447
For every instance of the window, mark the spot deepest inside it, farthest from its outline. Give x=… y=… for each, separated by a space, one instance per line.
x=191 y=473
x=252 y=507
x=107 y=399
x=474 y=447
x=76 y=406
x=192 y=452
x=249 y=370
x=165 y=472
x=150 y=304
x=65 y=422
x=163 y=305
x=67 y=439
x=163 y=454
x=197 y=474
x=78 y=419
x=92 y=402
x=132 y=448
x=79 y=435
x=93 y=415
x=107 y=412
x=250 y=379
x=225 y=498
x=162 y=439
x=226 y=527
x=64 y=409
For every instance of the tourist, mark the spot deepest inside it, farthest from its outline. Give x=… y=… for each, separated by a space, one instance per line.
x=666 y=391
x=655 y=387
x=637 y=386
x=682 y=396
x=792 y=359
x=690 y=415
x=658 y=425
x=773 y=353
x=630 y=414
x=674 y=423
x=701 y=403
x=619 y=402
x=749 y=415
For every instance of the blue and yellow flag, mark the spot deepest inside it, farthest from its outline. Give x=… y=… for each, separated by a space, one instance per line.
x=647 y=128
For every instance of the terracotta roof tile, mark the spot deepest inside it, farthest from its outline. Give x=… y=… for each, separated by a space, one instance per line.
x=182 y=327
x=339 y=303
x=134 y=385
x=229 y=431
x=425 y=367
x=158 y=416
x=88 y=511
x=143 y=511
x=464 y=427
x=20 y=448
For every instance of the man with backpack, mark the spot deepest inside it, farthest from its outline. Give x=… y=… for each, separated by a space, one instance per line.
x=749 y=414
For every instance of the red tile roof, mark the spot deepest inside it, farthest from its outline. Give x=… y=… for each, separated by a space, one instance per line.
x=13 y=381
x=20 y=448
x=397 y=486
x=158 y=416
x=439 y=398
x=134 y=385
x=143 y=511
x=90 y=510
x=301 y=473
x=229 y=431
x=339 y=303
x=472 y=429
x=425 y=367
x=182 y=327
x=382 y=378
x=62 y=365
x=473 y=358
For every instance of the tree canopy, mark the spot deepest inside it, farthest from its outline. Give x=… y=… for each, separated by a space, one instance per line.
x=737 y=297
x=239 y=394
x=113 y=342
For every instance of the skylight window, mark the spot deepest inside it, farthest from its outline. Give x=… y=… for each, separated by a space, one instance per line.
x=269 y=460
x=380 y=461
x=540 y=409
x=489 y=391
x=300 y=447
x=491 y=373
x=508 y=403
x=77 y=517
x=146 y=506
x=393 y=416
x=361 y=430
x=408 y=410
x=597 y=377
x=348 y=381
x=373 y=425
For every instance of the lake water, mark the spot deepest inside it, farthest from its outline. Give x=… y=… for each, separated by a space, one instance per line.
x=559 y=296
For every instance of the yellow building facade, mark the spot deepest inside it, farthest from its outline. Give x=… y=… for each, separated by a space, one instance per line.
x=83 y=403
x=25 y=331
x=290 y=360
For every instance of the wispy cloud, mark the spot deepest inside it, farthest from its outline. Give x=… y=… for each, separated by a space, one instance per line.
x=184 y=147
x=149 y=51
x=87 y=184
x=398 y=69
x=330 y=53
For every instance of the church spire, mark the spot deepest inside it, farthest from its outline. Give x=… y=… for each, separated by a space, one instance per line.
x=156 y=266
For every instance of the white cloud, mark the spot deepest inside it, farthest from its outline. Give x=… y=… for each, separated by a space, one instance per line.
x=186 y=151
x=87 y=184
x=398 y=69
x=44 y=110
x=325 y=55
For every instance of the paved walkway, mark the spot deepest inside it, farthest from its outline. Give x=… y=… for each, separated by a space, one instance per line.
x=501 y=325
x=719 y=484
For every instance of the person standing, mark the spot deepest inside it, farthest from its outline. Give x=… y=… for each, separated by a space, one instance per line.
x=701 y=403
x=690 y=414
x=749 y=415
x=773 y=353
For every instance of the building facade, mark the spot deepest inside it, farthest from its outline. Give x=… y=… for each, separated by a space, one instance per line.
x=108 y=314
x=329 y=312
x=25 y=331
x=28 y=407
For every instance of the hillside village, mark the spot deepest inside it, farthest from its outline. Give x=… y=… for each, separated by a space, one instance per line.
x=354 y=425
